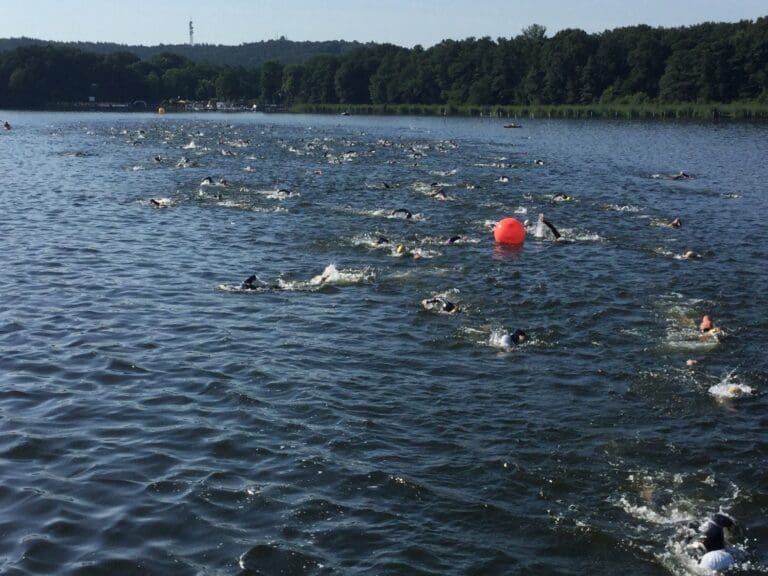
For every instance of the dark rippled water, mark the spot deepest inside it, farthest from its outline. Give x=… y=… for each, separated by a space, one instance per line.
x=156 y=420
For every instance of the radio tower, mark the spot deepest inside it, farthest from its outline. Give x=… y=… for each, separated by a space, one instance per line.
x=191 y=33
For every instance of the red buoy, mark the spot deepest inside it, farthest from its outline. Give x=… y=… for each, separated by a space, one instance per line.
x=509 y=231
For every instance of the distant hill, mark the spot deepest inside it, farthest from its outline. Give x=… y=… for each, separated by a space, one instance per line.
x=250 y=55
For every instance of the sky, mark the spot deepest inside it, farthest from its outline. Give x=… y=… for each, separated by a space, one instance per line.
x=401 y=22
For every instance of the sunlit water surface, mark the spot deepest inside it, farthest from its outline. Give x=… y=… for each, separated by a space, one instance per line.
x=157 y=419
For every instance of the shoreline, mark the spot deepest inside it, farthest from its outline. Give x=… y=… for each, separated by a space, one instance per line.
x=749 y=111
x=736 y=111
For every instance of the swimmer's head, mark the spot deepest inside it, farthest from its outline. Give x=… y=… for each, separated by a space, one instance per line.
x=518 y=336
x=691 y=254
x=723 y=520
x=400 y=249
x=706 y=324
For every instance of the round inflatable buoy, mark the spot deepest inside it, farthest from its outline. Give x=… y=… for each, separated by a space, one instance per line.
x=509 y=231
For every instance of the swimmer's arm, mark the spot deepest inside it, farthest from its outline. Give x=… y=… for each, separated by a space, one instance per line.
x=552 y=227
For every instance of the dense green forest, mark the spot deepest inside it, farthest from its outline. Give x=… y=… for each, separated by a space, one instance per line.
x=706 y=63
x=250 y=55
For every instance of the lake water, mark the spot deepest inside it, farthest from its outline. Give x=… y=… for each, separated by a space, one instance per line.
x=157 y=419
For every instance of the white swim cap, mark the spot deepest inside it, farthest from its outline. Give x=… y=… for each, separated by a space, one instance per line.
x=717 y=560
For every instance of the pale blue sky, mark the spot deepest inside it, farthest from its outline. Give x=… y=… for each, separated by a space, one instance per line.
x=401 y=22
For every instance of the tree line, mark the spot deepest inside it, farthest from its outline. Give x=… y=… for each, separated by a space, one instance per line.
x=710 y=62
x=249 y=55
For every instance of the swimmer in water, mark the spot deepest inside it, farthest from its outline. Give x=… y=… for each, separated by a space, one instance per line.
x=254 y=283
x=516 y=338
x=382 y=240
x=248 y=283
x=439 y=194
x=439 y=304
x=6 y=125
x=540 y=232
x=160 y=202
x=407 y=214
x=454 y=239
x=561 y=197
x=539 y=162
x=708 y=329
x=691 y=255
x=712 y=540
x=185 y=163
x=676 y=222
x=680 y=176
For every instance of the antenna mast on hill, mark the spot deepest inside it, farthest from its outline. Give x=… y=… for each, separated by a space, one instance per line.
x=191 y=33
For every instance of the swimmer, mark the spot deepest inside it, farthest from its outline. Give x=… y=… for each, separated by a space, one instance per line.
x=561 y=197
x=382 y=240
x=157 y=159
x=676 y=222
x=516 y=338
x=539 y=162
x=504 y=179
x=6 y=125
x=407 y=214
x=454 y=239
x=439 y=304
x=691 y=255
x=712 y=539
x=707 y=326
x=207 y=181
x=540 y=232
x=440 y=193
x=680 y=176
x=708 y=329
x=160 y=202
x=185 y=163
x=248 y=283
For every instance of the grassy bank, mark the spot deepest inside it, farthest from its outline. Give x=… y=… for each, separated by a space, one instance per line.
x=734 y=110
